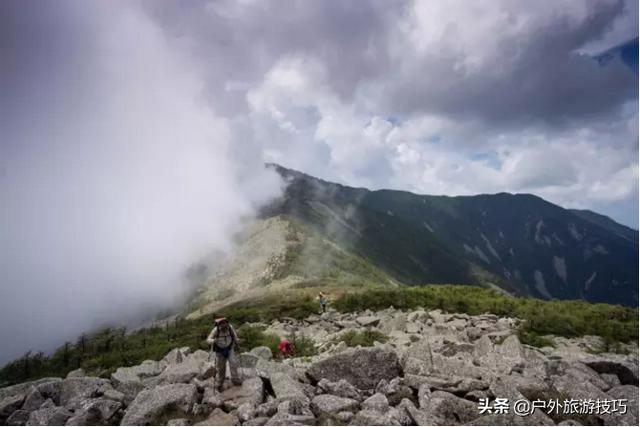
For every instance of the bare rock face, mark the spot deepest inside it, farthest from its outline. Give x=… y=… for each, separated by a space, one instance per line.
x=363 y=368
x=150 y=405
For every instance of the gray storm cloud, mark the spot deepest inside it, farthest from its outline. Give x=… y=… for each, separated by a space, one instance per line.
x=115 y=176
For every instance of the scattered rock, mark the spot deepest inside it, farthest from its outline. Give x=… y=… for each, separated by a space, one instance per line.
x=378 y=402
x=150 y=405
x=76 y=373
x=362 y=367
x=220 y=418
x=339 y=388
x=325 y=405
x=262 y=352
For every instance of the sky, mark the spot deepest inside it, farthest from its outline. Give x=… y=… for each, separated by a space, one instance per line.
x=133 y=135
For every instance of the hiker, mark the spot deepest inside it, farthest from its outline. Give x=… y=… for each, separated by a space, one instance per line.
x=223 y=341
x=285 y=348
x=323 y=302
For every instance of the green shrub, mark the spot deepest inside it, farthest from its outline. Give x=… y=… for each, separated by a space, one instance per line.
x=364 y=338
x=303 y=346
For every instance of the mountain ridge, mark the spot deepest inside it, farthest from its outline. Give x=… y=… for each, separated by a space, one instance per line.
x=518 y=242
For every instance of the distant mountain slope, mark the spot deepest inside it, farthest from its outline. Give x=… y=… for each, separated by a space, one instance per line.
x=608 y=224
x=520 y=243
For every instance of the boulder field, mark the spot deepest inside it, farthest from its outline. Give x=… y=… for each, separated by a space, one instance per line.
x=434 y=369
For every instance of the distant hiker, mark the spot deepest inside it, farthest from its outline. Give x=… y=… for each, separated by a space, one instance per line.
x=223 y=341
x=285 y=348
x=323 y=302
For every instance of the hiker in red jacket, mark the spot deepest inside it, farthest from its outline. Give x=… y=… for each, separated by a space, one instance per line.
x=285 y=348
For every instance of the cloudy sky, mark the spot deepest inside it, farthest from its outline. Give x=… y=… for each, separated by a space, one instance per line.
x=132 y=135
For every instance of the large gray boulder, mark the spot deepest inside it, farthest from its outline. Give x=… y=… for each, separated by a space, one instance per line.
x=327 y=405
x=630 y=393
x=24 y=388
x=126 y=381
x=362 y=367
x=626 y=370
x=95 y=411
x=451 y=408
x=49 y=415
x=150 y=405
x=76 y=389
x=262 y=352
x=340 y=388
x=367 y=417
x=220 y=418
x=9 y=405
x=287 y=388
x=378 y=403
x=251 y=391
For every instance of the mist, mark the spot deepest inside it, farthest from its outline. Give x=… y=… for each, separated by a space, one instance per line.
x=115 y=174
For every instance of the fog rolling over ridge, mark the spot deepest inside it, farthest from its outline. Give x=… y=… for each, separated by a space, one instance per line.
x=115 y=175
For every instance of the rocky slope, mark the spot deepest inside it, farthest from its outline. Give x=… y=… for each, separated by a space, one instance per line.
x=435 y=369
x=521 y=243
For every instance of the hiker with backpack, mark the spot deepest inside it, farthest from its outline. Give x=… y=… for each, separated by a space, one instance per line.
x=323 y=302
x=224 y=341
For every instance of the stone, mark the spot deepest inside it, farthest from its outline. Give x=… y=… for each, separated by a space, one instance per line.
x=212 y=398
x=397 y=390
x=258 y=421
x=368 y=320
x=282 y=419
x=18 y=418
x=24 y=388
x=451 y=384
x=150 y=405
x=424 y=395
x=247 y=360
x=343 y=417
x=246 y=411
x=340 y=388
x=262 y=352
x=325 y=405
x=33 y=401
x=368 y=417
x=395 y=323
x=251 y=391
x=175 y=356
x=266 y=368
x=451 y=408
x=182 y=372
x=127 y=382
x=362 y=367
x=626 y=371
x=220 y=418
x=612 y=380
x=76 y=373
x=378 y=403
x=94 y=411
x=49 y=416
x=79 y=388
x=267 y=409
x=179 y=422
x=629 y=392
x=418 y=358
x=287 y=388
x=417 y=416
x=10 y=404
x=148 y=368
